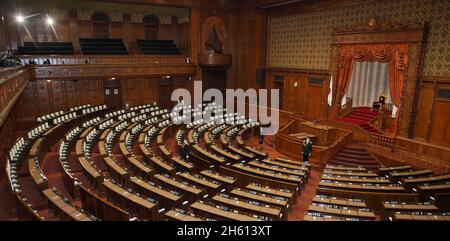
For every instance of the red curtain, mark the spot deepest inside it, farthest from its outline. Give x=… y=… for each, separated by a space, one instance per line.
x=395 y=54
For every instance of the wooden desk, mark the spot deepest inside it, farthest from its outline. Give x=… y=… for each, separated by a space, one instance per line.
x=93 y=174
x=208 y=155
x=241 y=152
x=34 y=151
x=282 y=164
x=36 y=173
x=145 y=150
x=105 y=134
x=202 y=182
x=138 y=167
x=340 y=202
x=164 y=197
x=79 y=148
x=410 y=207
x=178 y=185
x=160 y=139
x=207 y=138
x=432 y=189
x=289 y=161
x=386 y=170
x=432 y=179
x=361 y=187
x=141 y=139
x=342 y=212
x=182 y=163
x=277 y=169
x=344 y=168
x=224 y=153
x=123 y=148
x=348 y=179
x=254 y=151
x=144 y=208
x=309 y=217
x=221 y=214
x=65 y=210
x=159 y=164
x=219 y=177
x=276 y=175
x=272 y=191
x=118 y=172
x=85 y=133
x=409 y=217
x=165 y=152
x=260 y=198
x=399 y=175
x=349 y=173
x=174 y=215
x=273 y=212
x=191 y=137
x=123 y=136
x=102 y=149
x=223 y=139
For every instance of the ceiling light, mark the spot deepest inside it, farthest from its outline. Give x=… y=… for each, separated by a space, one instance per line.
x=20 y=19
x=49 y=21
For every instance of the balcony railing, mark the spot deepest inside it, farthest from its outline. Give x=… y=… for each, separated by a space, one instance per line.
x=12 y=83
x=104 y=59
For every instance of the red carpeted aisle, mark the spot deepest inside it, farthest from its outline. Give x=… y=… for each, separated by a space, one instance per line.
x=361 y=116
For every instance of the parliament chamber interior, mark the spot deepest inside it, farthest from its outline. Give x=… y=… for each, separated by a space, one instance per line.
x=90 y=129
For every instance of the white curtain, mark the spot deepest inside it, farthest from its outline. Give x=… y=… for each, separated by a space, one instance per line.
x=369 y=81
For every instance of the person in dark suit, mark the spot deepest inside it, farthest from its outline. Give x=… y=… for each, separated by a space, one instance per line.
x=261 y=139
x=307 y=149
x=186 y=151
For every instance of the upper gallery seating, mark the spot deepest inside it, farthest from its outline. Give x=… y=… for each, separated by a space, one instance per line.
x=158 y=47
x=103 y=46
x=45 y=48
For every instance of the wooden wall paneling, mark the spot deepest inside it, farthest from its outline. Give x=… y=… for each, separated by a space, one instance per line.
x=43 y=97
x=183 y=38
x=440 y=119
x=314 y=104
x=27 y=106
x=149 y=93
x=71 y=89
x=425 y=107
x=117 y=30
x=83 y=92
x=57 y=95
x=137 y=31
x=194 y=26
x=84 y=29
x=130 y=92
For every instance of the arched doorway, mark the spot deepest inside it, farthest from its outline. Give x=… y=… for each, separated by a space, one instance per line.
x=100 y=25
x=151 y=26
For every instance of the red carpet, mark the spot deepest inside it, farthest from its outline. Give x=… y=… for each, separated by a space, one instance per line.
x=355 y=154
x=361 y=116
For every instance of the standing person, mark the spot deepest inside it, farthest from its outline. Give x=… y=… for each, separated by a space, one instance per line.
x=186 y=151
x=307 y=149
x=261 y=138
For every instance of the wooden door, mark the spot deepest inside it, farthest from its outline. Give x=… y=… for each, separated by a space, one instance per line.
x=112 y=93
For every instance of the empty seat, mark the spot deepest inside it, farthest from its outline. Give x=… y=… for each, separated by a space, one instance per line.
x=45 y=48
x=94 y=46
x=158 y=47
